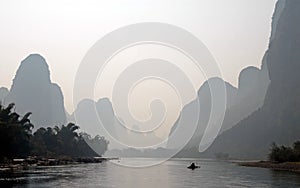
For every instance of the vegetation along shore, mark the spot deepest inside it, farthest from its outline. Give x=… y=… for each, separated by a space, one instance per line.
x=280 y=158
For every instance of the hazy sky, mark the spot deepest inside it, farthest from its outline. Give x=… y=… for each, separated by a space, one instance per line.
x=235 y=31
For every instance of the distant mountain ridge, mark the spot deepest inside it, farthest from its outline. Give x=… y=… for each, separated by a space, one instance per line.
x=98 y=117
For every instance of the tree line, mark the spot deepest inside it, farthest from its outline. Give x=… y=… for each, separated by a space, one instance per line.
x=285 y=153
x=18 y=140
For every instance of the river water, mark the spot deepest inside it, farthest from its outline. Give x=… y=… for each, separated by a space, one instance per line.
x=172 y=173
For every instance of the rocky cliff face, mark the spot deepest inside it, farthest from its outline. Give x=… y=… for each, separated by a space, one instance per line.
x=3 y=93
x=241 y=102
x=32 y=91
x=278 y=120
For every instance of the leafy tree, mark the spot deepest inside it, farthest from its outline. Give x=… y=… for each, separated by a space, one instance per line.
x=17 y=140
x=284 y=154
x=65 y=141
x=15 y=133
x=67 y=137
x=297 y=147
x=99 y=144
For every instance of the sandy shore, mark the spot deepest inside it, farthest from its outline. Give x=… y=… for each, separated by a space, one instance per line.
x=23 y=164
x=287 y=166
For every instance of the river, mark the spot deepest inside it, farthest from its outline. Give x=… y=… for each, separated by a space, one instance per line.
x=170 y=174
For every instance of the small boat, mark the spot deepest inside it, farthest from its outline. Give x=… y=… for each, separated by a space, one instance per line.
x=193 y=166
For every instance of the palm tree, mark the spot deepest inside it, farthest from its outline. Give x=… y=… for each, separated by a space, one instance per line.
x=67 y=137
x=15 y=133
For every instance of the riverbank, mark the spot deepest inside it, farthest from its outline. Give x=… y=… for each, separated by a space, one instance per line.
x=287 y=166
x=23 y=164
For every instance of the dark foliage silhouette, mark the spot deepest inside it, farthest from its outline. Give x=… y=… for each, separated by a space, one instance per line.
x=284 y=153
x=15 y=133
x=17 y=140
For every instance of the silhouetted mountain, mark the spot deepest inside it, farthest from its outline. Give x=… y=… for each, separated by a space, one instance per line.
x=99 y=118
x=241 y=102
x=278 y=120
x=32 y=91
x=3 y=93
x=87 y=117
x=189 y=111
x=253 y=84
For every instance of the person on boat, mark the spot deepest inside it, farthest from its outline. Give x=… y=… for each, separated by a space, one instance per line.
x=193 y=166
